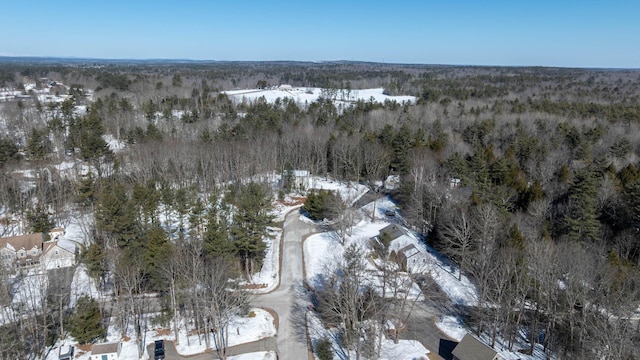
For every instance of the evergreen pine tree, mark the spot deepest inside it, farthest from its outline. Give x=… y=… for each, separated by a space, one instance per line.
x=323 y=349
x=582 y=220
x=86 y=190
x=216 y=237
x=250 y=224
x=39 y=220
x=8 y=150
x=90 y=132
x=94 y=259
x=156 y=254
x=115 y=215
x=38 y=144
x=85 y=324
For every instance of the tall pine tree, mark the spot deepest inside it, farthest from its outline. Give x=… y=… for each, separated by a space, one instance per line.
x=115 y=216
x=86 y=322
x=250 y=224
x=216 y=238
x=582 y=220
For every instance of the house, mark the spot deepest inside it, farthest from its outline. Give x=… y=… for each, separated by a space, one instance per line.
x=412 y=259
x=471 y=348
x=454 y=183
x=392 y=232
x=21 y=251
x=58 y=89
x=24 y=251
x=106 y=351
x=396 y=236
x=408 y=255
x=55 y=256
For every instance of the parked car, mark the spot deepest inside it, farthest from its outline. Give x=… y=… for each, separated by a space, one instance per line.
x=158 y=352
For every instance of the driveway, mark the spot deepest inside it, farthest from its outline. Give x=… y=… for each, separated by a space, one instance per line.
x=266 y=344
x=290 y=300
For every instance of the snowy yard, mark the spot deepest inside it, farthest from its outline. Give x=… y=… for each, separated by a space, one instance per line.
x=241 y=330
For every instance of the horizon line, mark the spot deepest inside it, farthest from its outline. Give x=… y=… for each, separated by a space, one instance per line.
x=175 y=60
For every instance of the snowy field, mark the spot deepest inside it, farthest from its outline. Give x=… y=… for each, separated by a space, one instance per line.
x=304 y=96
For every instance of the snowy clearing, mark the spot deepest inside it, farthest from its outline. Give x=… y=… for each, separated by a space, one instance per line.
x=306 y=95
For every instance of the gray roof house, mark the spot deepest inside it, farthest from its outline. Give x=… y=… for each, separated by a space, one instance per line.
x=471 y=348
x=106 y=351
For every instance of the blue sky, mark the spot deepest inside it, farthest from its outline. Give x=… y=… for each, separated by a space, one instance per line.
x=564 y=33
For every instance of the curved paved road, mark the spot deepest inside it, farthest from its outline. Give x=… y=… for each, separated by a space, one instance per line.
x=290 y=300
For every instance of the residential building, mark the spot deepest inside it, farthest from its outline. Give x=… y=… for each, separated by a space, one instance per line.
x=55 y=256
x=21 y=251
x=31 y=250
x=471 y=348
x=412 y=259
x=106 y=351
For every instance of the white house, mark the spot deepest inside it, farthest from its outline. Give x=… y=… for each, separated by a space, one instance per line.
x=397 y=236
x=21 y=251
x=31 y=250
x=106 y=351
x=55 y=256
x=412 y=259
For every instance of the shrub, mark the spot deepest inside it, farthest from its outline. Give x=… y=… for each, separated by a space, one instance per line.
x=323 y=349
x=318 y=204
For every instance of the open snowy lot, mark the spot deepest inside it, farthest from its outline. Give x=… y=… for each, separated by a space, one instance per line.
x=306 y=95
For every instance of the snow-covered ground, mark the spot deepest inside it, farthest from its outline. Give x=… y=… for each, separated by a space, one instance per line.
x=114 y=144
x=403 y=350
x=241 y=330
x=260 y=355
x=322 y=251
x=452 y=326
x=307 y=95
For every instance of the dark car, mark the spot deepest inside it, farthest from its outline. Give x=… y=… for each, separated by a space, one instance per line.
x=158 y=352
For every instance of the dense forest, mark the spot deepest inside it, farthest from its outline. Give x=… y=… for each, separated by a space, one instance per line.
x=527 y=178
